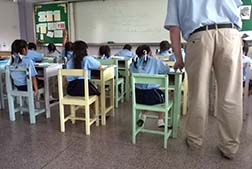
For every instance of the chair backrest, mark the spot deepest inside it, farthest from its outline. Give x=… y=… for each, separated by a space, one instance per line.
x=72 y=72
x=11 y=89
x=110 y=62
x=162 y=80
x=48 y=59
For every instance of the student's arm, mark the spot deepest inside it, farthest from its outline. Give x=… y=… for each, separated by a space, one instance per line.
x=176 y=46
x=65 y=37
x=35 y=85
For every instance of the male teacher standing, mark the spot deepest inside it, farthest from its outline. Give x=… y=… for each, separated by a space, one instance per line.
x=210 y=28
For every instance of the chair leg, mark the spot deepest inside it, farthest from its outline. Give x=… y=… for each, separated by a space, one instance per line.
x=11 y=108
x=87 y=120
x=166 y=130
x=73 y=113
x=134 y=126
x=116 y=95
x=122 y=92
x=20 y=104
x=62 y=118
x=185 y=93
x=31 y=110
x=97 y=112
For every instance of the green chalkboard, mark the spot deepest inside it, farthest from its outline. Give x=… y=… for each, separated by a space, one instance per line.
x=246 y=22
x=50 y=22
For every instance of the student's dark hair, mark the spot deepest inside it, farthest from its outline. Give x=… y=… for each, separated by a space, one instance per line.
x=245 y=47
x=142 y=51
x=51 y=47
x=17 y=48
x=68 y=47
x=104 y=50
x=164 y=45
x=127 y=46
x=79 y=52
x=32 y=46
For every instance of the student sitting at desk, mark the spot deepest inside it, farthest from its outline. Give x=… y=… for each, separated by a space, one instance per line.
x=53 y=52
x=20 y=58
x=126 y=51
x=149 y=94
x=165 y=50
x=67 y=50
x=33 y=54
x=104 y=52
x=246 y=60
x=81 y=60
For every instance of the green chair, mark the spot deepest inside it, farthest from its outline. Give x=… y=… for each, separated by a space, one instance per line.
x=13 y=93
x=119 y=82
x=137 y=109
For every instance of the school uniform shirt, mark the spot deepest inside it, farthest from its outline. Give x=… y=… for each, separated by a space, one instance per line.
x=151 y=66
x=68 y=55
x=215 y=11
x=104 y=57
x=246 y=60
x=125 y=53
x=88 y=63
x=53 y=54
x=19 y=78
x=34 y=55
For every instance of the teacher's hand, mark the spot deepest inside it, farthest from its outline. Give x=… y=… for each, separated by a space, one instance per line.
x=179 y=64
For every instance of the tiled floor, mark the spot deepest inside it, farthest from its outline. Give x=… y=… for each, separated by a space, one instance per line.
x=25 y=146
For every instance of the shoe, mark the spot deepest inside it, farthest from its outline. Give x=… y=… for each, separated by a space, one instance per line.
x=160 y=123
x=140 y=122
x=224 y=155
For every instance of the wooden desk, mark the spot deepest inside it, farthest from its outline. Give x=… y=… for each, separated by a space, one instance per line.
x=3 y=63
x=45 y=72
x=5 y=54
x=102 y=77
x=123 y=69
x=176 y=101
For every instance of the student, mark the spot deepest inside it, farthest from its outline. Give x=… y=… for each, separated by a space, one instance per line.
x=81 y=60
x=33 y=54
x=245 y=59
x=126 y=51
x=19 y=58
x=67 y=50
x=53 y=52
x=104 y=52
x=165 y=48
x=148 y=93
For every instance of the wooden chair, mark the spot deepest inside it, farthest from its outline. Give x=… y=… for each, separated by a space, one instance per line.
x=76 y=102
x=184 y=88
x=119 y=82
x=137 y=109
x=13 y=93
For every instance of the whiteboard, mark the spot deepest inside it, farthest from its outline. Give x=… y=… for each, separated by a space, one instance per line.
x=120 y=21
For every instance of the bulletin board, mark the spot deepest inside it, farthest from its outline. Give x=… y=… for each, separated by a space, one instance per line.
x=245 y=10
x=50 y=22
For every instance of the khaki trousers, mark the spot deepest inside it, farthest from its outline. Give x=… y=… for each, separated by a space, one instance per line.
x=220 y=49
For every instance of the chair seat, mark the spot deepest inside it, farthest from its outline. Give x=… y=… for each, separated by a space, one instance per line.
x=157 y=107
x=119 y=81
x=77 y=100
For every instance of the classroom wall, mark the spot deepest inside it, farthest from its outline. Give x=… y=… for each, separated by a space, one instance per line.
x=9 y=29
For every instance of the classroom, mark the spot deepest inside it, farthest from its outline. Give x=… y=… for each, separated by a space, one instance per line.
x=109 y=84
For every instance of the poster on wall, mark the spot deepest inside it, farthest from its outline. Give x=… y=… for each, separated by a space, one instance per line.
x=50 y=22
x=245 y=12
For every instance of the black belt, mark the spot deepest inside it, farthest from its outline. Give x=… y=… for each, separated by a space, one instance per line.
x=215 y=26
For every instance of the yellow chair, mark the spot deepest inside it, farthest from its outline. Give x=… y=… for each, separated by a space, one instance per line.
x=119 y=82
x=76 y=102
x=184 y=88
